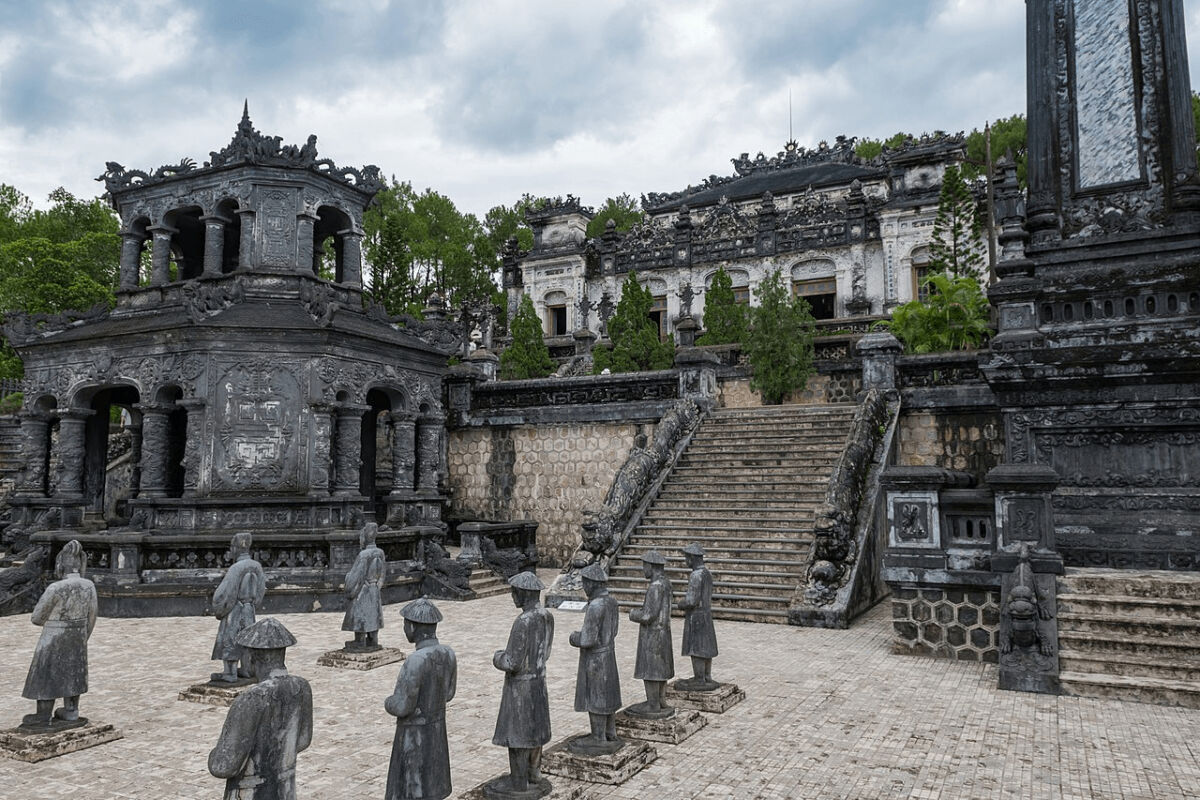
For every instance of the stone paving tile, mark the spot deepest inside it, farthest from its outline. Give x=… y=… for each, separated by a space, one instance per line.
x=828 y=714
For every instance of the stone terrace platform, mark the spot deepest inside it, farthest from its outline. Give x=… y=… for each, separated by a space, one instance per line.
x=828 y=714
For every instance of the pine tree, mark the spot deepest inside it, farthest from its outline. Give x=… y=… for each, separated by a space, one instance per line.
x=635 y=343
x=724 y=318
x=779 y=344
x=527 y=356
x=956 y=247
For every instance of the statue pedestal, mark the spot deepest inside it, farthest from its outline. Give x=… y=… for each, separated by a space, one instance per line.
x=360 y=659
x=215 y=693
x=612 y=768
x=671 y=730
x=715 y=701
x=38 y=744
x=560 y=789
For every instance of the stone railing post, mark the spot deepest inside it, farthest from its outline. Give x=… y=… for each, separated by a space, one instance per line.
x=35 y=450
x=697 y=376
x=192 y=449
x=1023 y=510
x=429 y=451
x=404 y=454
x=214 y=245
x=155 y=426
x=160 y=255
x=72 y=448
x=879 y=351
x=246 y=238
x=347 y=454
x=131 y=260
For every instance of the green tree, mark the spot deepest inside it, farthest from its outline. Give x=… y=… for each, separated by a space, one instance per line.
x=635 y=343
x=870 y=148
x=955 y=317
x=504 y=222
x=527 y=356
x=724 y=317
x=1008 y=135
x=622 y=209
x=779 y=343
x=956 y=246
x=52 y=260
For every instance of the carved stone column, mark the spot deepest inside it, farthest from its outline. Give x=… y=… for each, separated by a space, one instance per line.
x=404 y=454
x=135 y=454
x=160 y=255
x=155 y=427
x=322 y=450
x=304 y=241
x=192 y=451
x=246 y=242
x=35 y=450
x=429 y=451
x=214 y=245
x=347 y=454
x=72 y=447
x=351 y=257
x=131 y=259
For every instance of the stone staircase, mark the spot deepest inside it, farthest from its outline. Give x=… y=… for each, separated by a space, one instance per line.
x=745 y=489
x=1130 y=635
x=485 y=583
x=10 y=451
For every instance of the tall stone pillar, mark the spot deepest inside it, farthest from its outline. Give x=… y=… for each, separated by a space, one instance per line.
x=404 y=454
x=1042 y=163
x=214 y=245
x=347 y=454
x=429 y=451
x=135 y=454
x=246 y=241
x=321 y=453
x=155 y=427
x=304 y=241
x=72 y=447
x=131 y=259
x=192 y=449
x=35 y=450
x=351 y=257
x=160 y=255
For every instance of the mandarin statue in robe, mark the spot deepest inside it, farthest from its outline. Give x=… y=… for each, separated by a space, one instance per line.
x=234 y=604
x=597 y=684
x=655 y=663
x=523 y=724
x=364 y=615
x=699 y=637
x=66 y=613
x=267 y=724
x=420 y=765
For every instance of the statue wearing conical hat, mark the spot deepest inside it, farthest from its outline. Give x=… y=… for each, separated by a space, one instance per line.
x=420 y=766
x=234 y=603
x=597 y=684
x=699 y=636
x=655 y=663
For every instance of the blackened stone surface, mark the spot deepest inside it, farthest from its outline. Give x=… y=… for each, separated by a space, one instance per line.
x=25 y=745
x=715 y=701
x=613 y=768
x=360 y=660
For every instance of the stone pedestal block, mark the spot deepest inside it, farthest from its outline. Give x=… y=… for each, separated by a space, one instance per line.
x=215 y=693
x=716 y=701
x=25 y=744
x=360 y=659
x=613 y=768
x=559 y=789
x=672 y=730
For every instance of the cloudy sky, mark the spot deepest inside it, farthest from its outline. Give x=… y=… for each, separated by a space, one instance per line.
x=486 y=99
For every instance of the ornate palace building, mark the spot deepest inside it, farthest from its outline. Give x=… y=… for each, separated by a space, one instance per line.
x=852 y=236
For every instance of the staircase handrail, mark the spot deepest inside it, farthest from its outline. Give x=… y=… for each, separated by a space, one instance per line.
x=635 y=486
x=842 y=578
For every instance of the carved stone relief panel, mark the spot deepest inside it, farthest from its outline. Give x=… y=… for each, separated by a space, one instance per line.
x=258 y=429
x=913 y=520
x=277 y=215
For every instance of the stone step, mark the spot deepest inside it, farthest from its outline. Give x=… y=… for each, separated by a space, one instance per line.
x=769 y=504
x=707 y=473
x=1148 y=626
x=679 y=588
x=718 y=564
x=767 y=439
x=705 y=514
x=763 y=413
x=1108 y=643
x=789 y=550
x=733 y=491
x=1130 y=606
x=485 y=583
x=634 y=597
x=1160 y=691
x=1123 y=583
x=1129 y=665
x=628 y=569
x=726 y=530
x=729 y=452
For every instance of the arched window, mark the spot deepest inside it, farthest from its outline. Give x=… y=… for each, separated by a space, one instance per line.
x=187 y=242
x=555 y=304
x=921 y=270
x=328 y=244
x=816 y=282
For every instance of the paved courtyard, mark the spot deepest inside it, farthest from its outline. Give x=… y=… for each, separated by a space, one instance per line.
x=828 y=714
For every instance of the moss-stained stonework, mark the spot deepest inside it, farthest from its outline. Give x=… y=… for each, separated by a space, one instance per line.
x=947 y=623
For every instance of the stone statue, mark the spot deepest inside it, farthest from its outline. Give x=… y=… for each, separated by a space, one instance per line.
x=523 y=725
x=267 y=724
x=598 y=685
x=420 y=767
x=365 y=613
x=655 y=663
x=699 y=638
x=234 y=603
x=1024 y=608
x=67 y=613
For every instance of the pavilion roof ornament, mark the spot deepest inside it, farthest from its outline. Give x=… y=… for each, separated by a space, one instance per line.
x=251 y=147
x=793 y=155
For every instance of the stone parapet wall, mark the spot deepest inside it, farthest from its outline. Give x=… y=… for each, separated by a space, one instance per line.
x=956 y=623
x=547 y=473
x=972 y=441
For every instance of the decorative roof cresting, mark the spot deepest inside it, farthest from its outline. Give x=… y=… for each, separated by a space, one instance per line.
x=248 y=146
